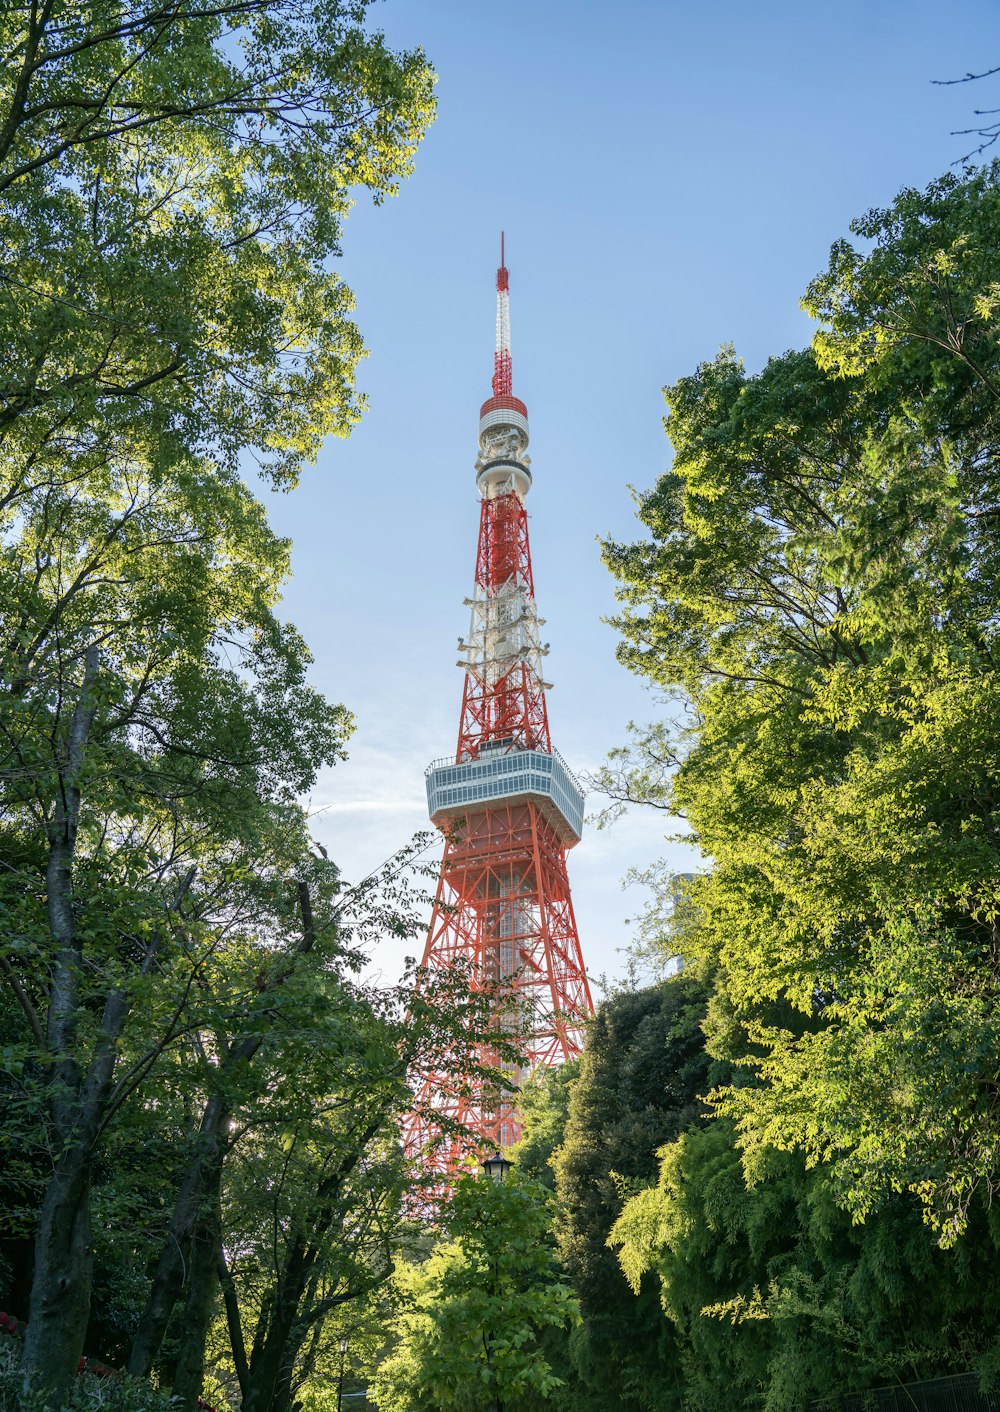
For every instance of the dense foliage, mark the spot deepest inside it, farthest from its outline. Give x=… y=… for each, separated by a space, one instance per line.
x=699 y=1289
x=172 y=184
x=767 y=1178
x=820 y=591
x=474 y=1313
x=776 y=1298
x=172 y=180
x=641 y=1077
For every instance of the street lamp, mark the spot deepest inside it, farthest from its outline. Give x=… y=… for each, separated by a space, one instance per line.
x=496 y=1167
x=342 y=1343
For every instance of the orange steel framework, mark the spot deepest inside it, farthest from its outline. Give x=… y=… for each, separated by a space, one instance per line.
x=510 y=809
x=510 y=707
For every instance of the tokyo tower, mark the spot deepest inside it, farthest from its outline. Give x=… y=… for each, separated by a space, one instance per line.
x=508 y=806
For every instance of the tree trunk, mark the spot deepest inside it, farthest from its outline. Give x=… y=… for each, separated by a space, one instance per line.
x=280 y=1335
x=169 y=1279
x=276 y=1344
x=168 y=1282
x=60 y=1290
x=203 y=1284
x=282 y=1399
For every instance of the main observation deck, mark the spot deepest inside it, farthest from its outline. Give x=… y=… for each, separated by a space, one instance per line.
x=506 y=775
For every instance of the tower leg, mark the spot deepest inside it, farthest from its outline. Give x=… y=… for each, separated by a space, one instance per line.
x=503 y=904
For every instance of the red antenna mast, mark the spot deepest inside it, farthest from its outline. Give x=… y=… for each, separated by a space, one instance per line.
x=509 y=808
x=502 y=372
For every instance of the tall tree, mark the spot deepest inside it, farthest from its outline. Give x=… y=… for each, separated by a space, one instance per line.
x=821 y=586
x=544 y=1107
x=172 y=183
x=315 y=1224
x=142 y=774
x=777 y=1299
x=474 y=1312
x=173 y=179
x=642 y=1075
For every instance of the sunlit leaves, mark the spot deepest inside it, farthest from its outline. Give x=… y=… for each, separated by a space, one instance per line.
x=172 y=185
x=473 y=1313
x=821 y=582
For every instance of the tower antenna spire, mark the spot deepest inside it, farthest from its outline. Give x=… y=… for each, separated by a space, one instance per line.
x=502 y=370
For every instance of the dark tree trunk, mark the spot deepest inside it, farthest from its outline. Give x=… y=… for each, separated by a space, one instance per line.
x=60 y=1288
x=60 y=1291
x=168 y=1282
x=282 y=1399
x=203 y=1285
x=234 y=1322
x=61 y=1283
x=282 y=1326
x=278 y=1339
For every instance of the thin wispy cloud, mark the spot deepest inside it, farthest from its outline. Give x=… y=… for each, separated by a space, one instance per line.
x=363 y=806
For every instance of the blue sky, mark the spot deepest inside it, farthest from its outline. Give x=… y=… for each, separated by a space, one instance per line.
x=670 y=176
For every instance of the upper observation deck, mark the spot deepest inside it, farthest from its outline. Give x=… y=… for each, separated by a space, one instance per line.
x=502 y=775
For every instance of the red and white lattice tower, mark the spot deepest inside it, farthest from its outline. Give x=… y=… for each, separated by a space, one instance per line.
x=508 y=806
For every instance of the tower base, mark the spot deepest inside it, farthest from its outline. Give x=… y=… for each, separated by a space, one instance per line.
x=503 y=909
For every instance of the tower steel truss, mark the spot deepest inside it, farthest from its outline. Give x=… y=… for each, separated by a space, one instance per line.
x=509 y=808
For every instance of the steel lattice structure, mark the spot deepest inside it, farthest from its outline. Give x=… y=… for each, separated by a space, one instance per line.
x=509 y=808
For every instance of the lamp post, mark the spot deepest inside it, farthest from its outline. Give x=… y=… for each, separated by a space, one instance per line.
x=342 y=1343
x=496 y=1166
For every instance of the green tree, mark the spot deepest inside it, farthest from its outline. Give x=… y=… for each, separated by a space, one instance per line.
x=173 y=180
x=543 y=1104
x=316 y=1221
x=776 y=1297
x=472 y=1315
x=271 y=1127
x=642 y=1075
x=172 y=185
x=820 y=589
x=135 y=854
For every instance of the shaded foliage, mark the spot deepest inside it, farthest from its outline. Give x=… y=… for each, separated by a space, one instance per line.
x=173 y=180
x=776 y=1297
x=641 y=1079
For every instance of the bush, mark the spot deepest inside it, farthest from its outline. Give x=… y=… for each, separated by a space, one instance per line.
x=109 y=1392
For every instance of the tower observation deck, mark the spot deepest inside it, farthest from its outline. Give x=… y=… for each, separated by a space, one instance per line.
x=509 y=808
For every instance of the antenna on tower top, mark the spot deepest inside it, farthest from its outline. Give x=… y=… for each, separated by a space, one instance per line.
x=502 y=278
x=502 y=383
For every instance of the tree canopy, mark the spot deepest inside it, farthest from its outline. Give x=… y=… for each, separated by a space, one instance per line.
x=173 y=180
x=820 y=586
x=473 y=1314
x=641 y=1077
